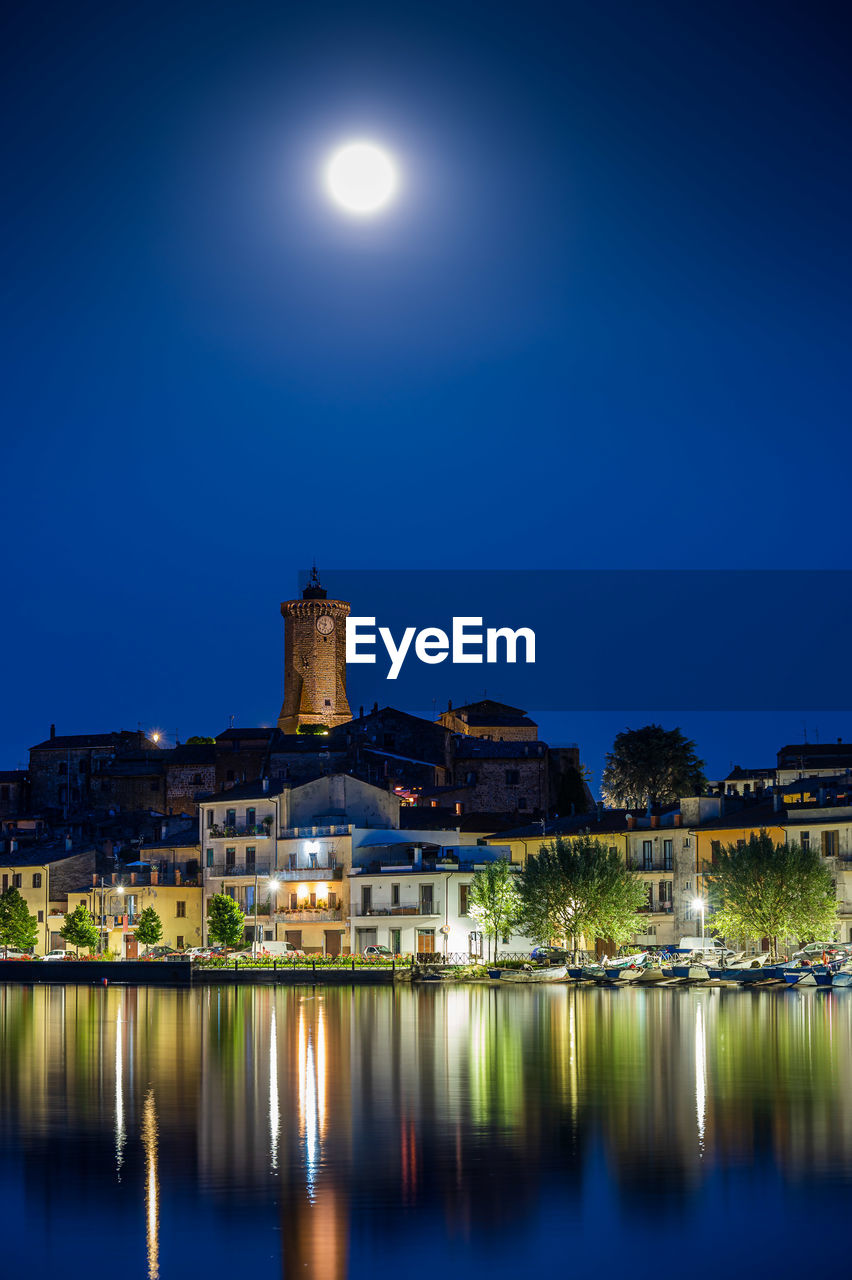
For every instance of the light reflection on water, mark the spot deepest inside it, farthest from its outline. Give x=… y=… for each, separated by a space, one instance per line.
x=322 y=1132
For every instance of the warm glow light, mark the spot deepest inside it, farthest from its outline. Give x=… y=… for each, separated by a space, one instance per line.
x=156 y=737
x=321 y=889
x=302 y=891
x=273 y=885
x=697 y=904
x=361 y=178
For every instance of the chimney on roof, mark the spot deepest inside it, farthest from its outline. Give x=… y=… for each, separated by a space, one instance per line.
x=265 y=784
x=631 y=822
x=52 y=732
x=94 y=881
x=776 y=801
x=655 y=819
x=678 y=819
x=164 y=826
x=13 y=845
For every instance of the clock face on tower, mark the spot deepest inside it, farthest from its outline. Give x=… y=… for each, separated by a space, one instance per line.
x=325 y=624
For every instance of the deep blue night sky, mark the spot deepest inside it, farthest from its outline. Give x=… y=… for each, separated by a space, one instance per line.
x=607 y=325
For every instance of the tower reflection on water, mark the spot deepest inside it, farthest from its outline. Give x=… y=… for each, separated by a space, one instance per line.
x=298 y=1117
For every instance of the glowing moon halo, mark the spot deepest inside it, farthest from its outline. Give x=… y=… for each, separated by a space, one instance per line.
x=361 y=178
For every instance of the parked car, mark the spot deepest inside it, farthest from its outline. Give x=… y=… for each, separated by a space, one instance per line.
x=163 y=953
x=376 y=952
x=58 y=954
x=816 y=950
x=13 y=953
x=552 y=955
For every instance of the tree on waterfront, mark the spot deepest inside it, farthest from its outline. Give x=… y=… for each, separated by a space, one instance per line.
x=579 y=888
x=493 y=900
x=17 y=927
x=149 y=929
x=225 y=921
x=79 y=928
x=652 y=766
x=767 y=890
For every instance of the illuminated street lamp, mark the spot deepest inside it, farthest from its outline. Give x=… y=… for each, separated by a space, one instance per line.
x=698 y=904
x=273 y=888
x=274 y=884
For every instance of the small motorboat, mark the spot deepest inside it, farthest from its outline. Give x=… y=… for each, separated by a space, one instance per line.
x=816 y=975
x=529 y=973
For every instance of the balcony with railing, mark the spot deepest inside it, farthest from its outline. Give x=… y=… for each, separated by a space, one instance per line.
x=262 y=867
x=426 y=907
x=313 y=833
x=242 y=831
x=307 y=915
x=323 y=870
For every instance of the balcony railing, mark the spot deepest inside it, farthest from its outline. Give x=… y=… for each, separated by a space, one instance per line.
x=241 y=869
x=327 y=871
x=246 y=831
x=312 y=833
x=308 y=914
x=432 y=908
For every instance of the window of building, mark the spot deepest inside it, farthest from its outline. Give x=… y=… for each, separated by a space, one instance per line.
x=513 y=777
x=63 y=769
x=196 y=779
x=830 y=844
x=805 y=840
x=647 y=855
x=250 y=817
x=230 y=857
x=209 y=818
x=180 y=942
x=17 y=881
x=459 y=808
x=715 y=849
x=470 y=778
x=394 y=895
x=41 y=917
x=83 y=766
x=464 y=894
x=294 y=937
x=665 y=894
x=667 y=855
x=522 y=802
x=332 y=900
x=180 y=910
x=230 y=817
x=210 y=856
x=36 y=879
x=366 y=899
x=741 y=844
x=294 y=901
x=251 y=853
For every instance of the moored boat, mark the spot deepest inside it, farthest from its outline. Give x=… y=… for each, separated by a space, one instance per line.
x=546 y=973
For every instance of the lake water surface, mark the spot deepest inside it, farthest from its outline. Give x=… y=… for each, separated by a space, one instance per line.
x=447 y=1132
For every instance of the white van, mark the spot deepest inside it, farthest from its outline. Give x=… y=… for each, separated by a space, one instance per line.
x=700 y=944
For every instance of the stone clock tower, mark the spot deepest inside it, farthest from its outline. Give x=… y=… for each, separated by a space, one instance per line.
x=314 y=660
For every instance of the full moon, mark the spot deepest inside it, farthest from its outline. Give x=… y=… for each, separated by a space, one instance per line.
x=361 y=178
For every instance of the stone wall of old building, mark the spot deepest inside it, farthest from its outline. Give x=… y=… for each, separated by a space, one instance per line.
x=14 y=792
x=62 y=768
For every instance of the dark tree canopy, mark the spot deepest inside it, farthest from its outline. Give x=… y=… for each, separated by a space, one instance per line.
x=17 y=927
x=493 y=899
x=79 y=928
x=225 y=921
x=763 y=890
x=579 y=888
x=651 y=765
x=149 y=930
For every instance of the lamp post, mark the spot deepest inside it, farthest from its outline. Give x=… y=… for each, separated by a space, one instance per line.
x=273 y=888
x=698 y=905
